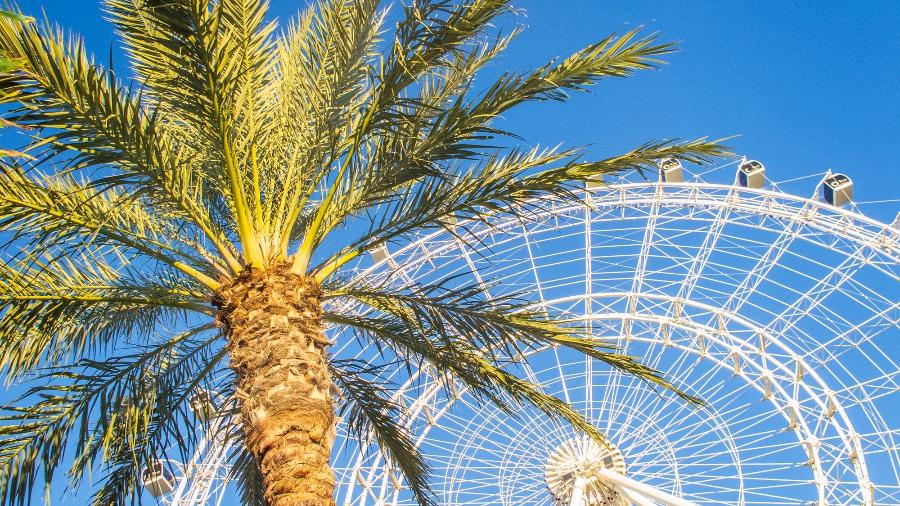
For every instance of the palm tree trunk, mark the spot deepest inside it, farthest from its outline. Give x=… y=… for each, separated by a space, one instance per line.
x=278 y=350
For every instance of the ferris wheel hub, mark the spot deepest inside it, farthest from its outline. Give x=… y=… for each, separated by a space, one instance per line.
x=580 y=458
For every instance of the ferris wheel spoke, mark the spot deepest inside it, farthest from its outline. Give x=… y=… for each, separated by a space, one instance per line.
x=638 y=401
x=862 y=392
x=562 y=379
x=626 y=432
x=637 y=281
x=706 y=249
x=691 y=440
x=760 y=302
x=538 y=284
x=816 y=294
x=673 y=375
x=879 y=322
x=588 y=308
x=759 y=272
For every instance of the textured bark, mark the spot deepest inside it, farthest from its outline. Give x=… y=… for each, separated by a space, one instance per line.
x=278 y=350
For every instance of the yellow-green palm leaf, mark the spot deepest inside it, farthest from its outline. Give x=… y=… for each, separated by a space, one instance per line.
x=235 y=148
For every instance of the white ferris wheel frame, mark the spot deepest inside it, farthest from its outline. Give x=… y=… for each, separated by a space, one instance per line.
x=863 y=241
x=871 y=243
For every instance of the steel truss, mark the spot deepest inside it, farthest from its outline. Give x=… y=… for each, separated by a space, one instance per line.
x=780 y=310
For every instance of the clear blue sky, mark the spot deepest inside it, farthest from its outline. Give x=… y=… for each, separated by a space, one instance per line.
x=807 y=85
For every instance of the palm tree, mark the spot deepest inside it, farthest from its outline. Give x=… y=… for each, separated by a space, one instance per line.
x=188 y=228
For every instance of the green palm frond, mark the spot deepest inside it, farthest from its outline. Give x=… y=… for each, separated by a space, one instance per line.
x=459 y=130
x=371 y=414
x=501 y=185
x=456 y=360
x=126 y=206
x=144 y=43
x=499 y=327
x=429 y=33
x=60 y=210
x=321 y=82
x=459 y=335
x=52 y=309
x=207 y=47
x=16 y=16
x=155 y=429
x=6 y=64
x=462 y=129
x=58 y=89
x=123 y=411
x=80 y=115
x=245 y=473
x=431 y=36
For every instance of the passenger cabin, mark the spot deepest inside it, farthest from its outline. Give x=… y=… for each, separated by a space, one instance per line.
x=595 y=182
x=204 y=405
x=158 y=479
x=837 y=190
x=751 y=174
x=380 y=253
x=670 y=171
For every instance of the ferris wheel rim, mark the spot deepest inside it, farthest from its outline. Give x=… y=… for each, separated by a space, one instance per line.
x=845 y=430
x=887 y=231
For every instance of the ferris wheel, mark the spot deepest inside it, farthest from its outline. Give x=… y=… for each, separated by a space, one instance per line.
x=780 y=311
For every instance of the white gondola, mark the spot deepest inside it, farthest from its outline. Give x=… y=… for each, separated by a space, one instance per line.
x=751 y=174
x=595 y=182
x=670 y=171
x=837 y=190
x=158 y=479
x=204 y=405
x=380 y=253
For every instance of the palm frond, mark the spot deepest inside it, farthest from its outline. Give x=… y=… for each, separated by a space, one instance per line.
x=503 y=185
x=155 y=434
x=430 y=36
x=204 y=85
x=83 y=117
x=455 y=360
x=462 y=129
x=429 y=32
x=47 y=210
x=413 y=147
x=245 y=473
x=16 y=16
x=499 y=327
x=420 y=136
x=128 y=408
x=54 y=309
x=371 y=414
x=322 y=81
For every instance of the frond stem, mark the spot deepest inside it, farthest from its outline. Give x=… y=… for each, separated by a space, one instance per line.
x=257 y=192
x=122 y=237
x=193 y=306
x=301 y=258
x=333 y=265
x=246 y=232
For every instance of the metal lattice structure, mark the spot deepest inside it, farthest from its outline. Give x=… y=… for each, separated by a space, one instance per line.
x=779 y=310
x=204 y=478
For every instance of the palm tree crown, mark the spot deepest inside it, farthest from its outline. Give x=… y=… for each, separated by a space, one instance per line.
x=150 y=224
